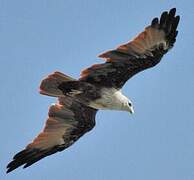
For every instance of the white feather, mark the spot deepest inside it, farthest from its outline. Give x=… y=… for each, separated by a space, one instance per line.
x=111 y=99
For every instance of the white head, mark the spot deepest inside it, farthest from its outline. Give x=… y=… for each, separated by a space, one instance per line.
x=129 y=106
x=125 y=102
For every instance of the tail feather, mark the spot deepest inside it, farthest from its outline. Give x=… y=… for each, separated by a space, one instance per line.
x=49 y=85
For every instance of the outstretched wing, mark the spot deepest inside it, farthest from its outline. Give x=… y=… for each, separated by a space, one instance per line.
x=145 y=51
x=67 y=122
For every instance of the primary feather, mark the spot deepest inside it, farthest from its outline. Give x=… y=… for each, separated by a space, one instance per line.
x=143 y=52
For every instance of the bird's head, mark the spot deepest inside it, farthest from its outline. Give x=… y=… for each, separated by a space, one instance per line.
x=129 y=107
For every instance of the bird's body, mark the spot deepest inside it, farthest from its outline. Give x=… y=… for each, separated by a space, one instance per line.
x=111 y=99
x=99 y=87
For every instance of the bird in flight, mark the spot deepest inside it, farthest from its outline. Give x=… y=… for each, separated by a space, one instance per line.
x=99 y=87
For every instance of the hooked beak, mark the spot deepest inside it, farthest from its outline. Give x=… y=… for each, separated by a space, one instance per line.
x=131 y=110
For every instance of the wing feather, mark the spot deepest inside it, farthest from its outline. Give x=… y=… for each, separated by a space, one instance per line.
x=68 y=120
x=144 y=51
x=49 y=85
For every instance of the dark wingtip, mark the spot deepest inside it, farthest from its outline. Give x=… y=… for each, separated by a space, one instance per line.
x=163 y=16
x=172 y=11
x=20 y=159
x=8 y=171
x=154 y=21
x=11 y=166
x=27 y=157
x=177 y=19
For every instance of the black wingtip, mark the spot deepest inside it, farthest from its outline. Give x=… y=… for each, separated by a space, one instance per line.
x=27 y=157
x=177 y=19
x=154 y=21
x=11 y=166
x=20 y=159
x=163 y=18
x=172 y=11
x=8 y=171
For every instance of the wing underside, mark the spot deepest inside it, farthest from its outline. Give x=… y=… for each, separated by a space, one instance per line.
x=67 y=121
x=143 y=52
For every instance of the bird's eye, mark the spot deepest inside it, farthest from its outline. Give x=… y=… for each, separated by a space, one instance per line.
x=129 y=104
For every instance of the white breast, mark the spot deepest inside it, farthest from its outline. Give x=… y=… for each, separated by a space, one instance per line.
x=111 y=99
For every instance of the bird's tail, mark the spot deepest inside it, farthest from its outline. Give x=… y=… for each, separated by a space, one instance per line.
x=50 y=85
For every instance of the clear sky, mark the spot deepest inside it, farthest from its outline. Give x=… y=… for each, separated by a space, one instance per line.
x=41 y=36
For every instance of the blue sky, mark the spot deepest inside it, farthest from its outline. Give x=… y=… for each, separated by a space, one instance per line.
x=39 y=37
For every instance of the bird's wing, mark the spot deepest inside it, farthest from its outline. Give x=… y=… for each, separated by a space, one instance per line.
x=143 y=52
x=67 y=122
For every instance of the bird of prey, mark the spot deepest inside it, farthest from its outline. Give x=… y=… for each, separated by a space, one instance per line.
x=99 y=87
